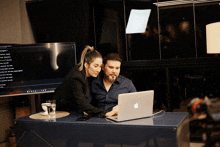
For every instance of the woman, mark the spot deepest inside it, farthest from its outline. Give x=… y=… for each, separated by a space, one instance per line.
x=73 y=93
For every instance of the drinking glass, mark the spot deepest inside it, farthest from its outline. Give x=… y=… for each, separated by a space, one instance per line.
x=48 y=102
x=53 y=107
x=44 y=107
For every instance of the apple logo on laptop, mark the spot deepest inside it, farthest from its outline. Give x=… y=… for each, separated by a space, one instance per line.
x=136 y=105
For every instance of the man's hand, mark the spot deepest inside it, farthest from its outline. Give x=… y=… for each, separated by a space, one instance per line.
x=113 y=112
x=115 y=109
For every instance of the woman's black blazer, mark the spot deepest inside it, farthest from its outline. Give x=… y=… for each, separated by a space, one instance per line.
x=73 y=93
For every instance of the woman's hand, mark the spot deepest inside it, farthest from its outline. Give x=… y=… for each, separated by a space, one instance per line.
x=86 y=114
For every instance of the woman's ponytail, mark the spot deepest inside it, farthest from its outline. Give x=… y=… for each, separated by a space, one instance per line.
x=83 y=56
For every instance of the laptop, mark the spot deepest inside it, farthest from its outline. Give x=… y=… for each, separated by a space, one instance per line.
x=134 y=105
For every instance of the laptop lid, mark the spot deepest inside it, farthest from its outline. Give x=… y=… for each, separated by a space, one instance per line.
x=134 y=105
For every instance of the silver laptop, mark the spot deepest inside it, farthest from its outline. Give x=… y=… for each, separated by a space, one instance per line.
x=134 y=105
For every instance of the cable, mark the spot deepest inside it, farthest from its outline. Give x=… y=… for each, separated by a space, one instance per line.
x=158 y=113
x=149 y=116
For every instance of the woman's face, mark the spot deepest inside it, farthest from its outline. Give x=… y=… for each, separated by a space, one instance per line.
x=93 y=68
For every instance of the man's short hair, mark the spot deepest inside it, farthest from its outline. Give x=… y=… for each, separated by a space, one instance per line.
x=111 y=56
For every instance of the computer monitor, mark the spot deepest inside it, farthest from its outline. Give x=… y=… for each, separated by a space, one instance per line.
x=34 y=68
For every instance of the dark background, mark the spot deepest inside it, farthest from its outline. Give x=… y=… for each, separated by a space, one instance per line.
x=170 y=59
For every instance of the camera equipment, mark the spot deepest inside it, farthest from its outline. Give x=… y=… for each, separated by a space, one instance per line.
x=208 y=112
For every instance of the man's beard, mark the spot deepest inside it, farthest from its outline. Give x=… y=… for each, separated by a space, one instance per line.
x=109 y=78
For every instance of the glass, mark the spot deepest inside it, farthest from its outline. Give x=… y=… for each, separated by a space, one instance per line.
x=53 y=107
x=48 y=102
x=177 y=36
x=45 y=108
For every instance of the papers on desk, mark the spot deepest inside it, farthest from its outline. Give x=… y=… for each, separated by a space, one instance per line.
x=137 y=21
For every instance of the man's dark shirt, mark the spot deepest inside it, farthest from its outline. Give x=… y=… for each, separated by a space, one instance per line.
x=107 y=100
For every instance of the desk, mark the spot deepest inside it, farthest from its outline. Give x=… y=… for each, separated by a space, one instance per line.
x=162 y=131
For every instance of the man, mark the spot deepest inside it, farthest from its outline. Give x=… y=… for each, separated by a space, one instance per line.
x=109 y=84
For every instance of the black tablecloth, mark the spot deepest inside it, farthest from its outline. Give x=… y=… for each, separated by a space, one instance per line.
x=159 y=130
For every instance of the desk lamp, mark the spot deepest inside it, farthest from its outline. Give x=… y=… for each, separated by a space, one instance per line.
x=213 y=38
